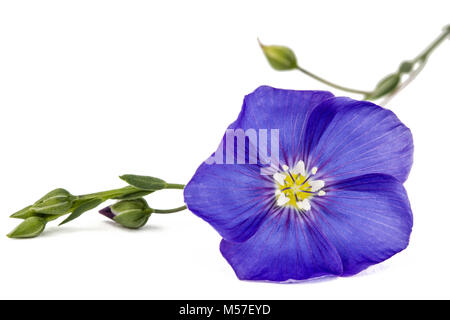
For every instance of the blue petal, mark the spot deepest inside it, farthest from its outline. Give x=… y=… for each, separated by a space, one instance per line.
x=347 y=138
x=368 y=219
x=286 y=247
x=286 y=110
x=360 y=222
x=235 y=198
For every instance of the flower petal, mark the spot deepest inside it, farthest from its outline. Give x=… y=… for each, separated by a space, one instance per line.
x=368 y=219
x=347 y=138
x=286 y=247
x=285 y=110
x=234 y=199
x=361 y=222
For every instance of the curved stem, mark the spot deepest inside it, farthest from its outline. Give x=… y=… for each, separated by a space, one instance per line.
x=170 y=210
x=331 y=84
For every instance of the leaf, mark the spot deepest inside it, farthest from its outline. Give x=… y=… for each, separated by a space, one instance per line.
x=144 y=182
x=49 y=218
x=86 y=206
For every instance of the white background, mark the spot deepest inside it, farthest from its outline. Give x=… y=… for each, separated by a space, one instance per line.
x=90 y=90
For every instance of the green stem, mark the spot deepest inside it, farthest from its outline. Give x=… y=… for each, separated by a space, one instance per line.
x=421 y=59
x=424 y=55
x=114 y=193
x=175 y=186
x=331 y=84
x=170 y=210
x=111 y=193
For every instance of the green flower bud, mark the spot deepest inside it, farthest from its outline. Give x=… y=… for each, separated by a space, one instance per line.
x=129 y=213
x=406 y=67
x=58 y=201
x=23 y=214
x=385 y=86
x=280 y=58
x=29 y=228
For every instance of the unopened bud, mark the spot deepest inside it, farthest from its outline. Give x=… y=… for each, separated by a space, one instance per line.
x=29 y=228
x=129 y=213
x=385 y=86
x=58 y=201
x=23 y=214
x=406 y=67
x=280 y=58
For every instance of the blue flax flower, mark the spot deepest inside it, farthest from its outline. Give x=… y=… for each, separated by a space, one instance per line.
x=333 y=203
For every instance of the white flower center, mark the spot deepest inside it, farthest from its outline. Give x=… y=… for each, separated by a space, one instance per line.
x=295 y=187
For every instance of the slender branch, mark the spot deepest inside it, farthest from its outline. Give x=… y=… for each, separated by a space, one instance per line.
x=170 y=210
x=175 y=186
x=124 y=191
x=426 y=53
x=111 y=193
x=331 y=84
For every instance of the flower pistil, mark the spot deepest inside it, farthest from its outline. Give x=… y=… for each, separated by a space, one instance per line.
x=295 y=187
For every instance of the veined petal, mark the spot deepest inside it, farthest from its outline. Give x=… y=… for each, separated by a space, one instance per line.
x=361 y=222
x=286 y=247
x=234 y=199
x=286 y=110
x=368 y=219
x=352 y=157
x=347 y=138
